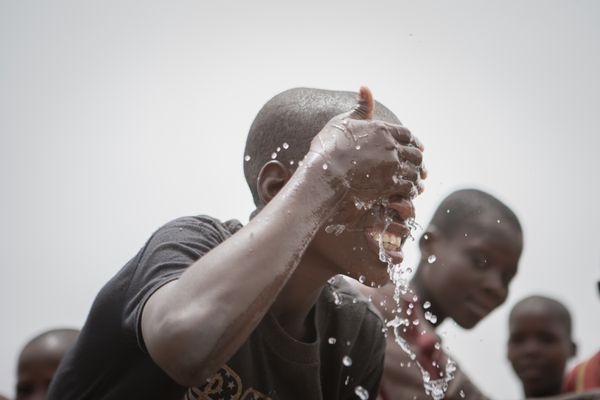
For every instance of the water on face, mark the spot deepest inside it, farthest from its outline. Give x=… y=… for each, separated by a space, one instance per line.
x=436 y=388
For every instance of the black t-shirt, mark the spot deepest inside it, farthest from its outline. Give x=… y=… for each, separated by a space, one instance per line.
x=109 y=360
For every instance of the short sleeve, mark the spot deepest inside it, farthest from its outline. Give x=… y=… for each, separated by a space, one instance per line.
x=168 y=253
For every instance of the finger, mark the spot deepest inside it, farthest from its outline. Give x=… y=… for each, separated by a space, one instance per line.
x=364 y=108
x=404 y=135
x=424 y=171
x=407 y=170
x=411 y=154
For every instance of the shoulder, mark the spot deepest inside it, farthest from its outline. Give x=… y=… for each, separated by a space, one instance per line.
x=353 y=312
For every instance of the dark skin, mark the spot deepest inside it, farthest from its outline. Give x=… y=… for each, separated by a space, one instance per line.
x=467 y=281
x=539 y=347
x=280 y=260
x=471 y=275
x=38 y=362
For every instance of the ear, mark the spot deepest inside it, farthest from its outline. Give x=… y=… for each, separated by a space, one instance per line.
x=573 y=349
x=271 y=178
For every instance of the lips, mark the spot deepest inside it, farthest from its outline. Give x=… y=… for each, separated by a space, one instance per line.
x=391 y=238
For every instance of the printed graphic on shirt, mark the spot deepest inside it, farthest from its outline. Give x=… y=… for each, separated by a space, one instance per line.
x=225 y=385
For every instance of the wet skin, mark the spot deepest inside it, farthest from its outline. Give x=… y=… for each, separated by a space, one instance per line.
x=283 y=254
x=539 y=347
x=471 y=275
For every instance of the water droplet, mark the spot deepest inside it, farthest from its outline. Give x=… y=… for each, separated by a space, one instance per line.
x=347 y=380
x=462 y=393
x=426 y=305
x=354 y=301
x=278 y=149
x=415 y=298
x=362 y=279
x=247 y=158
x=447 y=211
x=291 y=162
x=431 y=259
x=354 y=162
x=357 y=147
x=430 y=317
x=498 y=221
x=337 y=299
x=361 y=392
x=273 y=155
x=300 y=163
x=368 y=176
x=331 y=340
x=347 y=361
x=336 y=229
x=426 y=236
x=437 y=345
x=325 y=166
x=285 y=145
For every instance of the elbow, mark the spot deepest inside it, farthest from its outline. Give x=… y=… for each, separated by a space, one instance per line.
x=181 y=349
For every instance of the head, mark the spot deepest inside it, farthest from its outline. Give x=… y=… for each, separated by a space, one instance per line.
x=279 y=138
x=39 y=360
x=285 y=126
x=469 y=255
x=540 y=344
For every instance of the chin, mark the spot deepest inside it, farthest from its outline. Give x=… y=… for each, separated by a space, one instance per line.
x=467 y=323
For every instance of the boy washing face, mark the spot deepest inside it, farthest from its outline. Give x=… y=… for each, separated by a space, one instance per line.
x=211 y=309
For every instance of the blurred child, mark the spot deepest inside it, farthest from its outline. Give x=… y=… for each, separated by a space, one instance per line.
x=540 y=344
x=39 y=360
x=469 y=255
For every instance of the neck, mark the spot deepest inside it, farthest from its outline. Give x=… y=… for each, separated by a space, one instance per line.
x=424 y=295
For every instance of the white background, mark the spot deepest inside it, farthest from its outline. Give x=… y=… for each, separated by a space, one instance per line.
x=117 y=116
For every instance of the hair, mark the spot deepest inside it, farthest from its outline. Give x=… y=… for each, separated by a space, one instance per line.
x=466 y=206
x=285 y=126
x=65 y=337
x=554 y=307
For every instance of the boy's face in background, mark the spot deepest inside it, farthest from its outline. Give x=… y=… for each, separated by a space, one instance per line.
x=472 y=269
x=35 y=370
x=539 y=346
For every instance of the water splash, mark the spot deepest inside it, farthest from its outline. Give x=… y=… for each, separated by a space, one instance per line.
x=436 y=388
x=361 y=392
x=347 y=361
x=336 y=229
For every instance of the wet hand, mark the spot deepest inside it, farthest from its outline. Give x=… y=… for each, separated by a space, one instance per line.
x=372 y=159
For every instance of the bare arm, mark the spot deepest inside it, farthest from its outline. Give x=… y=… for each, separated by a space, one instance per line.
x=193 y=325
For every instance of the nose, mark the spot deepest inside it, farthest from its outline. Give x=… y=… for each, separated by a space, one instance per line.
x=494 y=287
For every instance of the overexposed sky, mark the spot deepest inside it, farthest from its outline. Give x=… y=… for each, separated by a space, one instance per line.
x=117 y=116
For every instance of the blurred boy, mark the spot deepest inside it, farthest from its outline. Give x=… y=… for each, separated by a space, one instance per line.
x=39 y=360
x=469 y=255
x=245 y=312
x=540 y=344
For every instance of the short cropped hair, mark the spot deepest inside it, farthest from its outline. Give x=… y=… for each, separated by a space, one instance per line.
x=65 y=336
x=554 y=307
x=286 y=124
x=464 y=207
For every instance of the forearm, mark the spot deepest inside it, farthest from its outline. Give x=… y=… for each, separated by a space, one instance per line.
x=194 y=325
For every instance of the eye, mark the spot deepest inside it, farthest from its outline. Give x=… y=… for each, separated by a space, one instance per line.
x=479 y=260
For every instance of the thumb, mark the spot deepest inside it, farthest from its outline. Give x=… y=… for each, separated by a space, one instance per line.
x=364 y=108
